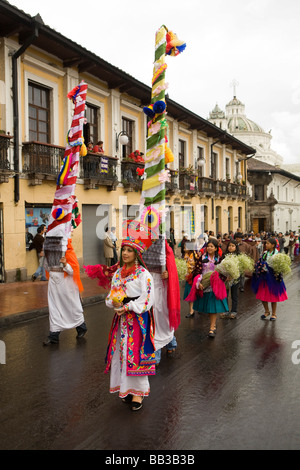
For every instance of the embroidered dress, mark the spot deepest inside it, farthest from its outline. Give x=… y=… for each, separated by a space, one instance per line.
x=268 y=287
x=130 y=353
x=209 y=303
x=190 y=261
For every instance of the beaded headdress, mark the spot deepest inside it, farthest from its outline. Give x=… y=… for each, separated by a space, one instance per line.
x=138 y=236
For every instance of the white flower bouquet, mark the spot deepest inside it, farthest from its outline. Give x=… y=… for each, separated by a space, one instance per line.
x=228 y=268
x=246 y=264
x=181 y=268
x=280 y=263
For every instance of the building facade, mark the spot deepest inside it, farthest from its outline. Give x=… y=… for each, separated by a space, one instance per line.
x=274 y=189
x=38 y=67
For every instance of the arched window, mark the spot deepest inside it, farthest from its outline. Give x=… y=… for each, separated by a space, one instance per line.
x=229 y=218
x=240 y=213
x=218 y=219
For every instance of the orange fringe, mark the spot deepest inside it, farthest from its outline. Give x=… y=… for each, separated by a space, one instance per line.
x=71 y=258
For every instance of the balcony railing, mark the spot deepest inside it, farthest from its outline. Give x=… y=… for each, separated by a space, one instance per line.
x=98 y=170
x=172 y=186
x=206 y=185
x=41 y=160
x=6 y=167
x=233 y=189
x=242 y=190
x=130 y=178
x=221 y=188
x=187 y=182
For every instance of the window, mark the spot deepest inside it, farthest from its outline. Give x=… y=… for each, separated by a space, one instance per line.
x=39 y=113
x=90 y=129
x=218 y=219
x=259 y=192
x=240 y=221
x=181 y=153
x=200 y=159
x=227 y=168
x=230 y=220
x=213 y=165
x=237 y=170
x=128 y=127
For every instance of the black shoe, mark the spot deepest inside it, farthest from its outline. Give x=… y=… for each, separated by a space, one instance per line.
x=81 y=330
x=241 y=290
x=136 y=405
x=189 y=315
x=127 y=399
x=212 y=333
x=81 y=334
x=33 y=278
x=49 y=341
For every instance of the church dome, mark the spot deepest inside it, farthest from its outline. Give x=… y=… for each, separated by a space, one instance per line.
x=235 y=102
x=237 y=120
x=217 y=113
x=242 y=124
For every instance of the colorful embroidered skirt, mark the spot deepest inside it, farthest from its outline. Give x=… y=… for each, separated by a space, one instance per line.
x=119 y=380
x=210 y=304
x=265 y=295
x=187 y=289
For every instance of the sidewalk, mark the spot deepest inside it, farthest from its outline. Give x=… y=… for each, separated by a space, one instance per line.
x=21 y=301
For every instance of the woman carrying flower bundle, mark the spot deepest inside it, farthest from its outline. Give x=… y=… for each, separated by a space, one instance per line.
x=267 y=281
x=210 y=297
x=233 y=288
x=130 y=354
x=190 y=257
x=245 y=264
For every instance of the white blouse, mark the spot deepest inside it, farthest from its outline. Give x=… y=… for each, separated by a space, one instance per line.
x=139 y=284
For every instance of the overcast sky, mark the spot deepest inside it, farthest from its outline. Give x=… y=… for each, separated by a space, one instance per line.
x=255 y=42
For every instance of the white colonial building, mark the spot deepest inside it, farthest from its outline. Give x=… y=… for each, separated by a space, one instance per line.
x=274 y=188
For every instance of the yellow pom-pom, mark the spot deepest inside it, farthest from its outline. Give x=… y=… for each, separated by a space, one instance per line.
x=169 y=157
x=83 y=150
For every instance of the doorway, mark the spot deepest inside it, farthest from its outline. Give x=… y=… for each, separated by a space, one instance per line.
x=258 y=225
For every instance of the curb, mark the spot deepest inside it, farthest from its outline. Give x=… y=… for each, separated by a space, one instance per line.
x=43 y=311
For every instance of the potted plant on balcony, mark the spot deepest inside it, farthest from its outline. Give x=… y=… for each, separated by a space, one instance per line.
x=188 y=171
x=135 y=157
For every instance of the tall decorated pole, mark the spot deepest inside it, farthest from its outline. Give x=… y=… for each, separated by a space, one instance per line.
x=158 y=155
x=64 y=213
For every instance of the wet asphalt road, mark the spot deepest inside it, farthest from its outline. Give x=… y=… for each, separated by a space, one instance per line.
x=237 y=391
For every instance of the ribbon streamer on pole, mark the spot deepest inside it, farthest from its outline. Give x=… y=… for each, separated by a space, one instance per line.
x=64 y=213
x=158 y=155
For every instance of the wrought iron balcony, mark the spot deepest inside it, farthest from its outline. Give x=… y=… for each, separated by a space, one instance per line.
x=206 y=185
x=234 y=189
x=221 y=188
x=130 y=178
x=172 y=186
x=42 y=161
x=98 y=170
x=187 y=182
x=242 y=190
x=6 y=167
